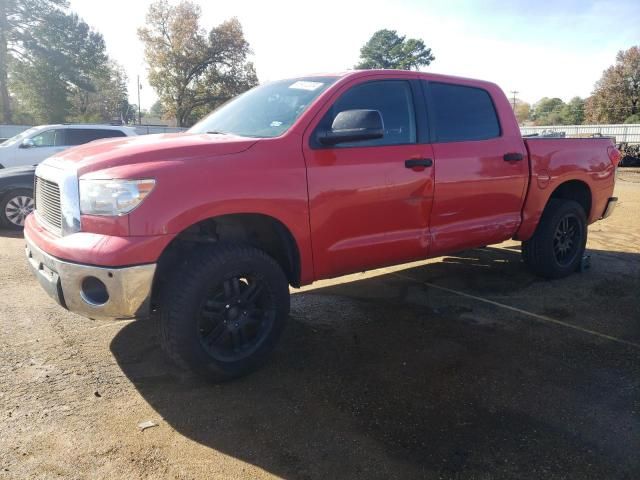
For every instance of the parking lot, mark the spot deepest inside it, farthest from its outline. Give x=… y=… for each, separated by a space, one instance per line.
x=463 y=366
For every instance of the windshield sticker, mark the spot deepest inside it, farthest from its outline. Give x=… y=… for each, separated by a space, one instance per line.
x=275 y=123
x=303 y=85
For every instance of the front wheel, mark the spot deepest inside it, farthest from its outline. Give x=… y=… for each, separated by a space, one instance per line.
x=14 y=208
x=557 y=247
x=223 y=311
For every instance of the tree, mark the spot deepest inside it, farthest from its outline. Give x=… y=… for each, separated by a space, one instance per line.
x=387 y=49
x=107 y=101
x=62 y=57
x=617 y=94
x=635 y=118
x=18 y=18
x=157 y=109
x=572 y=113
x=547 y=111
x=193 y=71
x=53 y=66
x=522 y=111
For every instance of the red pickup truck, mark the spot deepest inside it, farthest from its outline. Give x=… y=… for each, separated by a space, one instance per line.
x=299 y=180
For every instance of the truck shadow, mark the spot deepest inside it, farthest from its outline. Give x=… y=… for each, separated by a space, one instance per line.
x=379 y=378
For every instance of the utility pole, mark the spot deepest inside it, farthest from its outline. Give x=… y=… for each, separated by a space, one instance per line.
x=139 y=115
x=513 y=103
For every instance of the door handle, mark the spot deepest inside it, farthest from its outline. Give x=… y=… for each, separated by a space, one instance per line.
x=512 y=157
x=418 y=162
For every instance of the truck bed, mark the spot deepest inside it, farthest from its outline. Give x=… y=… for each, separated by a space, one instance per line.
x=553 y=161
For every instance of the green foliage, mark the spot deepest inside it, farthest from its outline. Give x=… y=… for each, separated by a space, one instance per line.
x=387 y=49
x=192 y=71
x=617 y=94
x=39 y=90
x=56 y=67
x=107 y=101
x=522 y=112
x=635 y=118
x=157 y=110
x=547 y=111
x=62 y=59
x=553 y=111
x=572 y=113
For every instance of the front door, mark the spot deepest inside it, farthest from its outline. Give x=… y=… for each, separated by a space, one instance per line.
x=45 y=144
x=370 y=200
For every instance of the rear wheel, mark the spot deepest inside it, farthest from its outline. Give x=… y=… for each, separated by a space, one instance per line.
x=14 y=208
x=557 y=247
x=223 y=311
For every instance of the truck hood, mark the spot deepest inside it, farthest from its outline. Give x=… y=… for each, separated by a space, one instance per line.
x=103 y=154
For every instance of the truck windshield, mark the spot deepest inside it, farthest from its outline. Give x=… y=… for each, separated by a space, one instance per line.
x=265 y=111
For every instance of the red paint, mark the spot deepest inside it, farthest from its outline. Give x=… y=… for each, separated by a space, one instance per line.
x=614 y=155
x=563 y=160
x=349 y=209
x=96 y=249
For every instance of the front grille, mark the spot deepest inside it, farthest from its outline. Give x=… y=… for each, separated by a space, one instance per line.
x=48 y=203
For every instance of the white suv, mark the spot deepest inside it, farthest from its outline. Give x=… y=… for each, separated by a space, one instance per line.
x=34 y=145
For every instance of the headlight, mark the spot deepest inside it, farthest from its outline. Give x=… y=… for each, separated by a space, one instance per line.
x=113 y=197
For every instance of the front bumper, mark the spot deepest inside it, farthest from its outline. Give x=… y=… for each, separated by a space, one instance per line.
x=94 y=292
x=611 y=205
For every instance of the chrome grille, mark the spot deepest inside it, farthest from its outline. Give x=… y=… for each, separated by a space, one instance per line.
x=48 y=203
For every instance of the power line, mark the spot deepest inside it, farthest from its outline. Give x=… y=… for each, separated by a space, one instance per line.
x=139 y=113
x=515 y=92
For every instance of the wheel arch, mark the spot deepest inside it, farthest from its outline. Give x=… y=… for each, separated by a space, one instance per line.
x=257 y=229
x=538 y=198
x=576 y=190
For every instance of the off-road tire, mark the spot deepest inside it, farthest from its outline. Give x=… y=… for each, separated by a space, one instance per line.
x=189 y=285
x=538 y=252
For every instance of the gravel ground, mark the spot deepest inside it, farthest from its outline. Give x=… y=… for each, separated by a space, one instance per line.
x=463 y=367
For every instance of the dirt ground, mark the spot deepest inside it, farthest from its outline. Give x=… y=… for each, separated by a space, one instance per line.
x=462 y=367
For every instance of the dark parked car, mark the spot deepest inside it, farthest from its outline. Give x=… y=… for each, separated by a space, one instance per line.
x=16 y=195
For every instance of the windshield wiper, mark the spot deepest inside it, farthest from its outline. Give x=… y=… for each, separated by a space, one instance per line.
x=217 y=132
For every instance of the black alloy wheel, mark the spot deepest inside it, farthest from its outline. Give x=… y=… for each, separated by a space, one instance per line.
x=566 y=239
x=556 y=248
x=222 y=310
x=236 y=317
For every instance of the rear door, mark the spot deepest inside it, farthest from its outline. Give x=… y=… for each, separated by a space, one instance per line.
x=368 y=206
x=481 y=169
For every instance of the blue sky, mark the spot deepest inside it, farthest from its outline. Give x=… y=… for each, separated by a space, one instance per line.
x=544 y=48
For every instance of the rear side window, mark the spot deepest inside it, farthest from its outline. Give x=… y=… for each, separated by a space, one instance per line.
x=78 y=136
x=462 y=113
x=394 y=101
x=49 y=138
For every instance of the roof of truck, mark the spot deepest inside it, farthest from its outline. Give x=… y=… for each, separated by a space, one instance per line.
x=427 y=75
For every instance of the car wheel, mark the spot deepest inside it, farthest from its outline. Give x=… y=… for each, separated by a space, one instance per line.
x=557 y=247
x=14 y=208
x=223 y=311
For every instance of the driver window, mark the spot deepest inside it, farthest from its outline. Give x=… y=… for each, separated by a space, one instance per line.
x=394 y=101
x=49 y=138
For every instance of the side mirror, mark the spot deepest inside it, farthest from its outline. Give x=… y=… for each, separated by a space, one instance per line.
x=27 y=143
x=354 y=126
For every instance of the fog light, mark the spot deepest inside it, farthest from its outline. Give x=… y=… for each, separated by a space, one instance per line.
x=94 y=291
